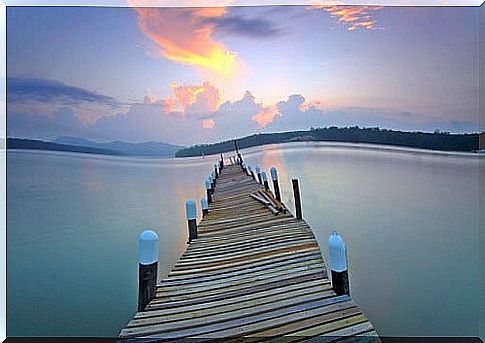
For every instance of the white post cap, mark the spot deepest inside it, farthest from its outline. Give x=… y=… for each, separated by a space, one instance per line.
x=148 y=247
x=191 y=209
x=207 y=184
x=203 y=203
x=274 y=174
x=337 y=253
x=264 y=176
x=258 y=169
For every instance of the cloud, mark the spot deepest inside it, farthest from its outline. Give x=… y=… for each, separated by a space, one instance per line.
x=204 y=120
x=208 y=123
x=46 y=97
x=24 y=89
x=352 y=17
x=197 y=99
x=266 y=115
x=184 y=35
x=252 y=27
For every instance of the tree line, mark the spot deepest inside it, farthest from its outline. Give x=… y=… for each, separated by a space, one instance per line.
x=423 y=140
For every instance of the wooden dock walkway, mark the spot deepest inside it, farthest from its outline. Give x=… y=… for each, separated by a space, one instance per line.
x=250 y=275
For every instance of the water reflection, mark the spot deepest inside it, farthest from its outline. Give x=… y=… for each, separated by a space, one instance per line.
x=73 y=220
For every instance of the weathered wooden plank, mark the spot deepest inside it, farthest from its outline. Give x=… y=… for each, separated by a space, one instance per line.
x=173 y=281
x=251 y=323
x=247 y=258
x=246 y=275
x=218 y=256
x=295 y=289
x=161 y=295
x=310 y=322
x=297 y=296
x=241 y=264
x=232 y=312
x=156 y=304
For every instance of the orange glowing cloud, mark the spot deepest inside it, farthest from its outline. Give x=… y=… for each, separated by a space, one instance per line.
x=168 y=104
x=208 y=123
x=353 y=17
x=204 y=98
x=266 y=115
x=184 y=35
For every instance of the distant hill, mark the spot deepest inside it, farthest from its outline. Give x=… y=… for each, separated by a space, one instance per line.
x=422 y=140
x=17 y=143
x=154 y=149
x=76 y=144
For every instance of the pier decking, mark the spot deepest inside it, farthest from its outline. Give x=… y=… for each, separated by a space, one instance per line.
x=249 y=275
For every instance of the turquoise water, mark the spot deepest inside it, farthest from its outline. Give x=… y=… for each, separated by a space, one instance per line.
x=409 y=218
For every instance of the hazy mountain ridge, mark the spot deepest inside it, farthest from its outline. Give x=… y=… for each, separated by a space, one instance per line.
x=77 y=144
x=20 y=143
x=156 y=149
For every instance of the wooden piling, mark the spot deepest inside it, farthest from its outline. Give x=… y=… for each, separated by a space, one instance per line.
x=276 y=186
x=337 y=253
x=296 y=194
x=147 y=268
x=209 y=191
x=191 y=212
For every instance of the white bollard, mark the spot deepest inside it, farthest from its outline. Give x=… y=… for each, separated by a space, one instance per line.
x=208 y=189
x=147 y=267
x=191 y=212
x=337 y=254
x=205 y=206
x=251 y=172
x=258 y=172
x=265 y=181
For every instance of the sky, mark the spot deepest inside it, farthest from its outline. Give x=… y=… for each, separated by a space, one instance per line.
x=200 y=75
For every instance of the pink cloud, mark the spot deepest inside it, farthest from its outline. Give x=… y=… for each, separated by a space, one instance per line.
x=208 y=123
x=197 y=98
x=266 y=115
x=353 y=17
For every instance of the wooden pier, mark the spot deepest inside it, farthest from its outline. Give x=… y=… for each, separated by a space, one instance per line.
x=250 y=275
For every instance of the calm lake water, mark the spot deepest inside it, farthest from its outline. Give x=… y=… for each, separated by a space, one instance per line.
x=410 y=220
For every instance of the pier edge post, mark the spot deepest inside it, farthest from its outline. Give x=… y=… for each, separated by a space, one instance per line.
x=274 y=177
x=215 y=170
x=191 y=212
x=296 y=194
x=251 y=172
x=147 y=267
x=337 y=254
x=258 y=172
x=208 y=189
x=213 y=182
x=205 y=206
x=265 y=181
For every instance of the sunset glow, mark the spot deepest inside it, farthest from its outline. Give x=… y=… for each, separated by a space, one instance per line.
x=353 y=17
x=184 y=35
x=188 y=95
x=194 y=75
x=266 y=115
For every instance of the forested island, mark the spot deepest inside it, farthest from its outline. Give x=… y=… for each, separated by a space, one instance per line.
x=423 y=140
